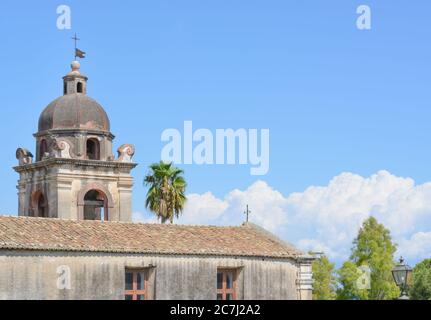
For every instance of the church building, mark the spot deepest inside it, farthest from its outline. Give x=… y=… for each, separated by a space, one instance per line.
x=74 y=237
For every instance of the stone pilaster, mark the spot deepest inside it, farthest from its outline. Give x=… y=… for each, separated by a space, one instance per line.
x=304 y=280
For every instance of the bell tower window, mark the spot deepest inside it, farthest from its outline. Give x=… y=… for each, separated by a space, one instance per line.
x=43 y=148
x=95 y=206
x=93 y=149
x=42 y=206
x=39 y=205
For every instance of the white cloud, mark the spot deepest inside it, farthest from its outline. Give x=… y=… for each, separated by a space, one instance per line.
x=203 y=209
x=336 y=211
x=418 y=246
x=144 y=217
x=327 y=217
x=266 y=202
x=316 y=246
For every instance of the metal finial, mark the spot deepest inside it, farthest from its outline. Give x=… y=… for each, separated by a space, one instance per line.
x=76 y=39
x=78 y=53
x=246 y=212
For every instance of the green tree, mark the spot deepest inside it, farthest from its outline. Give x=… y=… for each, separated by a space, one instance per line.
x=372 y=250
x=324 y=282
x=165 y=195
x=421 y=288
x=348 y=276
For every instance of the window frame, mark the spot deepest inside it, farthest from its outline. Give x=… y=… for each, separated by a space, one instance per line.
x=224 y=291
x=135 y=292
x=95 y=154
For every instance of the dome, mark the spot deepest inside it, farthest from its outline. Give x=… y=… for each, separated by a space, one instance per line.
x=74 y=111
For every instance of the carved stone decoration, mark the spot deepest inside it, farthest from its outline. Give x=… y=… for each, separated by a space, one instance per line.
x=73 y=150
x=61 y=149
x=126 y=152
x=24 y=156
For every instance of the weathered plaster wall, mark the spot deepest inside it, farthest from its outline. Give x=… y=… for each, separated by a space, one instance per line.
x=62 y=184
x=33 y=275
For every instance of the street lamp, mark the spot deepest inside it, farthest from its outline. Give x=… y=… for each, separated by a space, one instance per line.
x=402 y=275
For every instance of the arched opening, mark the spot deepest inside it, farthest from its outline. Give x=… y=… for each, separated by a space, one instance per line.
x=38 y=205
x=42 y=207
x=95 y=206
x=79 y=87
x=43 y=148
x=93 y=149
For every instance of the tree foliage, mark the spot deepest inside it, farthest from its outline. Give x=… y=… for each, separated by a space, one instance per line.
x=372 y=250
x=421 y=288
x=348 y=275
x=324 y=282
x=165 y=196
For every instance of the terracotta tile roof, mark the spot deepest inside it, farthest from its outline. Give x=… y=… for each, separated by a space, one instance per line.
x=67 y=235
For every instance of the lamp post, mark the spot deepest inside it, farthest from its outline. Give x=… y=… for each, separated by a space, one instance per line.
x=402 y=275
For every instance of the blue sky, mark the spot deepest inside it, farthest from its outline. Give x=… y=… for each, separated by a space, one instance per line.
x=336 y=99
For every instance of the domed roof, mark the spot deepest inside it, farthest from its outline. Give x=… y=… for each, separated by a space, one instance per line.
x=74 y=111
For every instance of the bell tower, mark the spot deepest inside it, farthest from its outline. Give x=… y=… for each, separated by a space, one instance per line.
x=75 y=174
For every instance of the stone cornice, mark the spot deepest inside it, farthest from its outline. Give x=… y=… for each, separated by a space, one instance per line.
x=54 y=162
x=73 y=132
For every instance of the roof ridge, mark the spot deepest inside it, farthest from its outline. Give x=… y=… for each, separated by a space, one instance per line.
x=271 y=236
x=119 y=222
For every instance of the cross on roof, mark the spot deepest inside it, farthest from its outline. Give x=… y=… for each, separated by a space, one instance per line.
x=78 y=53
x=76 y=39
x=247 y=212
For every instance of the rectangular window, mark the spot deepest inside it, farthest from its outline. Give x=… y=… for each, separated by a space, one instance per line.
x=226 y=284
x=136 y=285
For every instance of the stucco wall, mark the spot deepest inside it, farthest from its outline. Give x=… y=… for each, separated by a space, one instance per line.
x=34 y=275
x=62 y=184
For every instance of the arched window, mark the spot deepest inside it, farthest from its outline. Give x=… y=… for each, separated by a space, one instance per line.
x=95 y=206
x=43 y=148
x=79 y=87
x=42 y=207
x=93 y=149
x=38 y=205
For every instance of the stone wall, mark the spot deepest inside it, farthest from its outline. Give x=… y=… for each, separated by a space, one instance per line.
x=35 y=275
x=63 y=181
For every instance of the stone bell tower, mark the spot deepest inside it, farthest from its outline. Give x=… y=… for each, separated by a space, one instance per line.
x=75 y=175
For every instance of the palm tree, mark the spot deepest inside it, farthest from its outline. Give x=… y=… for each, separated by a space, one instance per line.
x=165 y=196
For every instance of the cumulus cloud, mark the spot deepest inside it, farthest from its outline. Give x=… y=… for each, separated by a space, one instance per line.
x=417 y=246
x=327 y=218
x=203 y=209
x=337 y=210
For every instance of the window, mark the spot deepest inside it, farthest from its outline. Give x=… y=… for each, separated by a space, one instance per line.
x=93 y=149
x=95 y=206
x=136 y=285
x=226 y=284
x=43 y=148
x=38 y=205
x=79 y=87
x=42 y=207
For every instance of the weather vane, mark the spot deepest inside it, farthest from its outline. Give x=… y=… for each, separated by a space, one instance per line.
x=78 y=53
x=246 y=212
